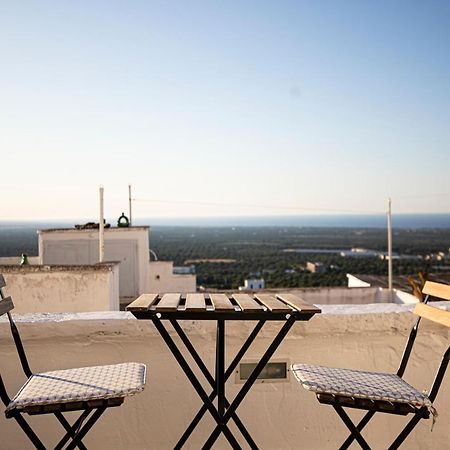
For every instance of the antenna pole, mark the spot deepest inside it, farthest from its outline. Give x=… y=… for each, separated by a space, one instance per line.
x=389 y=230
x=101 y=230
x=129 y=204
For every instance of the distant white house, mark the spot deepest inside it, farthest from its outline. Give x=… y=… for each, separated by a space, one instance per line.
x=253 y=284
x=315 y=267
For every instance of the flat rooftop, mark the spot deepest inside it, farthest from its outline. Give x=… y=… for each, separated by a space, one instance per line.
x=73 y=229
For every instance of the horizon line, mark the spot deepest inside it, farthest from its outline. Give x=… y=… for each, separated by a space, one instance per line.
x=237 y=216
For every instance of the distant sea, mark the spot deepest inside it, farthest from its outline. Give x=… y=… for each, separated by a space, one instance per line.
x=330 y=220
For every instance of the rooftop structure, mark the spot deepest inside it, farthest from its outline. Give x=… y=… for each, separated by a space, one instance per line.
x=66 y=276
x=129 y=246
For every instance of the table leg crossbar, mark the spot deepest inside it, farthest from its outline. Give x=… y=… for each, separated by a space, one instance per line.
x=211 y=381
x=225 y=410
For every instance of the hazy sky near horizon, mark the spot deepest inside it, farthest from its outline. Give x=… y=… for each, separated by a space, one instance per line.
x=224 y=108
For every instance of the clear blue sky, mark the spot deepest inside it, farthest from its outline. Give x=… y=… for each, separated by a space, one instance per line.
x=320 y=105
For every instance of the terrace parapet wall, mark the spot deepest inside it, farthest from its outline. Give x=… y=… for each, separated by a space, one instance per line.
x=61 y=288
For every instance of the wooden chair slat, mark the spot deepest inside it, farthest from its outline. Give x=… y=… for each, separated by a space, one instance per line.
x=168 y=302
x=195 y=302
x=434 y=314
x=142 y=303
x=2 y=281
x=72 y=406
x=6 y=305
x=273 y=304
x=438 y=290
x=247 y=303
x=298 y=303
x=221 y=302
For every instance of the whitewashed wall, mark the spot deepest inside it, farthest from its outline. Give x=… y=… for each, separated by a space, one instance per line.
x=63 y=288
x=342 y=295
x=162 y=279
x=130 y=246
x=353 y=296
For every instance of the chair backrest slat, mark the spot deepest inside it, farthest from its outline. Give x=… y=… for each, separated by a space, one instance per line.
x=2 y=281
x=6 y=305
x=438 y=290
x=431 y=313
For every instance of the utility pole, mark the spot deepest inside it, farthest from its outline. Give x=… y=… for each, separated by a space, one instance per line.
x=389 y=230
x=101 y=230
x=129 y=204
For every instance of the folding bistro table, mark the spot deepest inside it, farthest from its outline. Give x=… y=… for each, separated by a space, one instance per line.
x=286 y=308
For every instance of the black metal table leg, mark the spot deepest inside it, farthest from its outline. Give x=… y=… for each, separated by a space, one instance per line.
x=239 y=355
x=220 y=367
x=195 y=383
x=252 y=378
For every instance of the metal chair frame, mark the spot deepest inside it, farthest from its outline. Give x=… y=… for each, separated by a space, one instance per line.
x=91 y=409
x=372 y=407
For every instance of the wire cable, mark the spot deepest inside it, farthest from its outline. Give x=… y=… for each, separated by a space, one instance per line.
x=253 y=205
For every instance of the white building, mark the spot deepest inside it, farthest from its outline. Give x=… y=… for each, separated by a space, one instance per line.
x=129 y=246
x=67 y=275
x=163 y=278
x=252 y=284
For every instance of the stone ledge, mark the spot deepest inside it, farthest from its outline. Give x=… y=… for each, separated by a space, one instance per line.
x=34 y=268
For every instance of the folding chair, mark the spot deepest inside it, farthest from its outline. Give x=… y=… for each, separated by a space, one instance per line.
x=90 y=390
x=380 y=392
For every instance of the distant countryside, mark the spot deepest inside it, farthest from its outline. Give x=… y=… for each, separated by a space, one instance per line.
x=224 y=256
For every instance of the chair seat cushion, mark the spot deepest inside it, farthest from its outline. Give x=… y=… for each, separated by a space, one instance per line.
x=360 y=384
x=80 y=384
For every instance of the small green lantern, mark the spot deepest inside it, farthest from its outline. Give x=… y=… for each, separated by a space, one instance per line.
x=123 y=221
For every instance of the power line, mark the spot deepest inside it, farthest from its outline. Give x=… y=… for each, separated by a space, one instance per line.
x=288 y=207
x=241 y=205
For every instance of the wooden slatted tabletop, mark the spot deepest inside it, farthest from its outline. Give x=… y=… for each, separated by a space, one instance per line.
x=221 y=303
x=239 y=306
